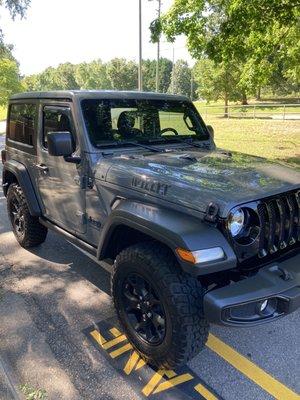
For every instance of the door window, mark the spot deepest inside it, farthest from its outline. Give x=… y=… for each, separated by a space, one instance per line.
x=57 y=120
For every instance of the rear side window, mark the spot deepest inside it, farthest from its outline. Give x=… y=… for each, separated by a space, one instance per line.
x=22 y=123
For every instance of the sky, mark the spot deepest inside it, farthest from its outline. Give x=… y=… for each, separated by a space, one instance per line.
x=58 y=31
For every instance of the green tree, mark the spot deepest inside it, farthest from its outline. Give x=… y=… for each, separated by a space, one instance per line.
x=60 y=78
x=9 y=79
x=92 y=75
x=165 y=71
x=216 y=81
x=180 y=79
x=15 y=7
x=31 y=83
x=251 y=34
x=149 y=74
x=122 y=74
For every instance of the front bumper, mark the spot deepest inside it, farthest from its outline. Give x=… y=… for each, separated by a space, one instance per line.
x=241 y=303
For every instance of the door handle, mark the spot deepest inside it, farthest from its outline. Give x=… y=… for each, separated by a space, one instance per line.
x=43 y=168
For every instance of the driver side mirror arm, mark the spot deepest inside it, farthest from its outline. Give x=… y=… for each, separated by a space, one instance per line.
x=73 y=160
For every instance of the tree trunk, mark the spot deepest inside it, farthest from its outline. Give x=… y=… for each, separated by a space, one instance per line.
x=244 y=99
x=258 y=96
x=226 y=105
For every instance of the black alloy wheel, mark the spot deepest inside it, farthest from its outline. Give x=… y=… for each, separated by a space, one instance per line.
x=159 y=307
x=143 y=309
x=27 y=228
x=17 y=217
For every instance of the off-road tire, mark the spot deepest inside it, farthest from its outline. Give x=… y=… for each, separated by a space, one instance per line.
x=34 y=233
x=182 y=297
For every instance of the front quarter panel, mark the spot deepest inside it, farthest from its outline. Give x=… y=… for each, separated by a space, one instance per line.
x=172 y=228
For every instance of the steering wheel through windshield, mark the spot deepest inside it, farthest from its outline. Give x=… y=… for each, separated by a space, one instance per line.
x=169 y=130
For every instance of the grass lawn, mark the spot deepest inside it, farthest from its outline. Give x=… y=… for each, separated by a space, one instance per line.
x=275 y=140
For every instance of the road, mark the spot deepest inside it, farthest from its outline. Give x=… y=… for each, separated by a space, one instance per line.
x=2 y=126
x=53 y=299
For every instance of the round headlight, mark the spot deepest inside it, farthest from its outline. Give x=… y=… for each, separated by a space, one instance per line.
x=236 y=222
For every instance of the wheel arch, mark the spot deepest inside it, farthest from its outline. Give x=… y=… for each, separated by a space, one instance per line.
x=122 y=235
x=16 y=172
x=141 y=222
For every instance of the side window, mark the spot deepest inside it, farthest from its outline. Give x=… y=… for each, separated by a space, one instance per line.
x=22 y=123
x=55 y=120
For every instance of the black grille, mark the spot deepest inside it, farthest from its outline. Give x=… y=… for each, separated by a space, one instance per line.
x=280 y=223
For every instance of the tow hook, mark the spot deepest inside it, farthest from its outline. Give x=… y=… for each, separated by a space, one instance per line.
x=285 y=275
x=282 y=273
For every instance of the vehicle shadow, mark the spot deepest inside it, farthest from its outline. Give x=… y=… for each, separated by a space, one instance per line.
x=57 y=250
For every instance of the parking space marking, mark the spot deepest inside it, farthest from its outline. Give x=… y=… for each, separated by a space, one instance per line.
x=148 y=389
x=131 y=363
x=183 y=383
x=251 y=370
x=177 y=380
x=121 y=350
x=204 y=392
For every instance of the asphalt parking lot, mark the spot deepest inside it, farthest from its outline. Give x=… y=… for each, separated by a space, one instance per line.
x=58 y=332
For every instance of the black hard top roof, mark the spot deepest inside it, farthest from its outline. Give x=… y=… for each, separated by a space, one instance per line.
x=96 y=94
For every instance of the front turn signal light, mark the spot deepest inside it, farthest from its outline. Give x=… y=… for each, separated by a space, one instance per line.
x=201 y=256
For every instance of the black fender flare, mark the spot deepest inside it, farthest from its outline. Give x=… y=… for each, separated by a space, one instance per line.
x=171 y=228
x=21 y=174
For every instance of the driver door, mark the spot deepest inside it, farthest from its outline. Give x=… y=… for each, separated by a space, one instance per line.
x=59 y=180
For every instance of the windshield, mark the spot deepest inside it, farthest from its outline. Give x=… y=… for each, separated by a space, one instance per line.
x=117 y=121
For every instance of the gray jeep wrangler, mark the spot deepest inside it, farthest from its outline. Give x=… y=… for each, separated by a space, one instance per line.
x=192 y=235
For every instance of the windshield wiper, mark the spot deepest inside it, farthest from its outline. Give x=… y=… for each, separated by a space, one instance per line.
x=191 y=142
x=137 y=144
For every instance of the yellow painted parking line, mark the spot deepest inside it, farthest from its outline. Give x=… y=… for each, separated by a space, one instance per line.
x=115 y=332
x=133 y=359
x=205 y=392
x=113 y=342
x=170 y=373
x=98 y=337
x=153 y=382
x=173 y=382
x=251 y=370
x=140 y=364
x=121 y=350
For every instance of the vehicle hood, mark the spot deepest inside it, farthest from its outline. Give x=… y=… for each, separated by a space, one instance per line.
x=195 y=178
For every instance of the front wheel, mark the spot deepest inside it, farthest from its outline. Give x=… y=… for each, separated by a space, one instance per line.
x=158 y=306
x=27 y=229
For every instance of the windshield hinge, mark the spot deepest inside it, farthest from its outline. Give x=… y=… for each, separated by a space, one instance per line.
x=211 y=212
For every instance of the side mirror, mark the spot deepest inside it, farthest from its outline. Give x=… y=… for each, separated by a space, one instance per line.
x=60 y=144
x=211 y=131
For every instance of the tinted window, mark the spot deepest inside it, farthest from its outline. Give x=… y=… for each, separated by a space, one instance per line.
x=22 y=123
x=141 y=120
x=55 y=120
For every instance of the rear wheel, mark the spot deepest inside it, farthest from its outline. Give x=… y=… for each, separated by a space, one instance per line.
x=27 y=229
x=158 y=306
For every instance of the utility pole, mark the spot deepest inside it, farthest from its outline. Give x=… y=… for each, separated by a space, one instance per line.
x=140 y=78
x=158 y=51
x=173 y=69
